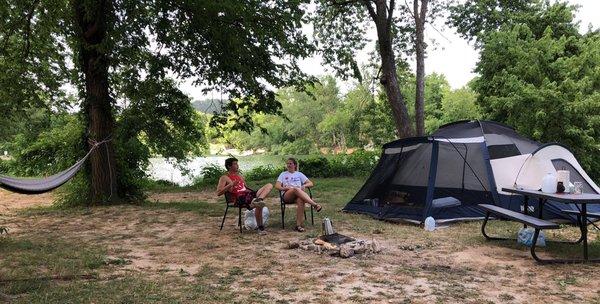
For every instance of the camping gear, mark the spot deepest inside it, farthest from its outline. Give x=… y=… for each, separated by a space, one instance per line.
x=525 y=237
x=327 y=227
x=577 y=188
x=466 y=163
x=41 y=185
x=250 y=218
x=560 y=188
x=336 y=238
x=549 y=183
x=564 y=177
x=429 y=224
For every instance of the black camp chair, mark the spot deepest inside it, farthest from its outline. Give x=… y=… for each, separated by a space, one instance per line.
x=229 y=203
x=283 y=204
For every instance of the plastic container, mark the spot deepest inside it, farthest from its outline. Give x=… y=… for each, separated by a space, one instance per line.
x=549 y=183
x=429 y=224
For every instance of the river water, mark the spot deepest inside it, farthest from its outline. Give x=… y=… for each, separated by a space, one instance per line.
x=161 y=168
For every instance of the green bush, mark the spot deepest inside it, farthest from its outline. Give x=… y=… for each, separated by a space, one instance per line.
x=264 y=172
x=356 y=164
x=209 y=175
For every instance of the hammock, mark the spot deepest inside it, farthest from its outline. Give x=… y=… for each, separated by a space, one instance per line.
x=41 y=185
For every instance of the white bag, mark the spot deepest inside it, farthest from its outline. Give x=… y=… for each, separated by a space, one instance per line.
x=250 y=219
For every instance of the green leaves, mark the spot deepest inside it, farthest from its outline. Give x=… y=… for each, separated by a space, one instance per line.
x=544 y=82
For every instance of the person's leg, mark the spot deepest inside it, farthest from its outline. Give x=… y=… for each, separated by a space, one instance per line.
x=299 y=212
x=264 y=191
x=304 y=196
x=259 y=221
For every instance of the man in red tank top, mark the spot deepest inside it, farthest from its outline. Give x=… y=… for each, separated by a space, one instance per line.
x=241 y=195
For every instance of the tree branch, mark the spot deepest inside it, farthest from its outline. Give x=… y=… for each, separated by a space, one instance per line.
x=390 y=12
x=370 y=9
x=342 y=3
x=410 y=12
x=27 y=32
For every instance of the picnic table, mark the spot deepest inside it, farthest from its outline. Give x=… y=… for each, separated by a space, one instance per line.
x=580 y=200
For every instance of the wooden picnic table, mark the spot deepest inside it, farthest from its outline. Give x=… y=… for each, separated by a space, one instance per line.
x=580 y=200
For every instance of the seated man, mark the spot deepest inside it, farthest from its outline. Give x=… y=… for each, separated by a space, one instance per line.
x=234 y=183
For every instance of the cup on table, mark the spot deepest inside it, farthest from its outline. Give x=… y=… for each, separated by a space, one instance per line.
x=577 y=187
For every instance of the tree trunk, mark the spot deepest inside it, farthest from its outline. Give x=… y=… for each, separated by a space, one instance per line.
x=389 y=77
x=91 y=27
x=420 y=17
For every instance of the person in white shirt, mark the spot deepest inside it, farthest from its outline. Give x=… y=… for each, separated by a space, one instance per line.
x=292 y=183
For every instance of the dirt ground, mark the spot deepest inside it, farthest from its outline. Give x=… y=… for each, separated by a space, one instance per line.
x=156 y=242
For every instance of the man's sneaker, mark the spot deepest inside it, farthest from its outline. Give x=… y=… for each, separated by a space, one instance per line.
x=258 y=203
x=261 y=232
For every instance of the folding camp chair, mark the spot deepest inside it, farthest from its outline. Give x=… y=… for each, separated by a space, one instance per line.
x=229 y=203
x=283 y=204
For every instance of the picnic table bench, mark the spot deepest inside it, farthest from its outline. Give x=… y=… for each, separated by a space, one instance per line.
x=528 y=220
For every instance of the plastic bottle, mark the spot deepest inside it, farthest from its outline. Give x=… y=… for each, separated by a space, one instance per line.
x=429 y=224
x=549 y=183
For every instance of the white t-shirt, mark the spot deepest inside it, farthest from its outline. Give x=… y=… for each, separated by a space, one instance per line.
x=296 y=179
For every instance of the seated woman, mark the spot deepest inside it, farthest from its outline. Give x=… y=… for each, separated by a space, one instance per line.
x=292 y=183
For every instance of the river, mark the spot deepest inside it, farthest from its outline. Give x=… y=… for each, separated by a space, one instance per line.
x=160 y=168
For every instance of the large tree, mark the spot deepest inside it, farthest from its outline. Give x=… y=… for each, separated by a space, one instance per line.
x=343 y=27
x=120 y=55
x=540 y=75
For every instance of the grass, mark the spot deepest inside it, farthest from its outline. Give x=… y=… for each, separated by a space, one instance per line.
x=95 y=265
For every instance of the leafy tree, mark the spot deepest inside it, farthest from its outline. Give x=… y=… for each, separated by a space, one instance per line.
x=342 y=27
x=545 y=84
x=122 y=53
x=475 y=20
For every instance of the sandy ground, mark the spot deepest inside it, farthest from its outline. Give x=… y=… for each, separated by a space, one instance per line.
x=167 y=241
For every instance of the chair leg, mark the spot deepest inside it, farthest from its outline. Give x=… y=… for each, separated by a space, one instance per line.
x=312 y=216
x=240 y=218
x=305 y=218
x=224 y=215
x=282 y=216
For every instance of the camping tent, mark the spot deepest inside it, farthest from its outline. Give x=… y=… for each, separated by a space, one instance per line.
x=463 y=164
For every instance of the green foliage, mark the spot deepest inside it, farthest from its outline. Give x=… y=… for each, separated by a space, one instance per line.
x=359 y=163
x=209 y=175
x=241 y=47
x=545 y=83
x=264 y=172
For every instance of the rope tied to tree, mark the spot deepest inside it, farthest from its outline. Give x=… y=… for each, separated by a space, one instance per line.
x=95 y=144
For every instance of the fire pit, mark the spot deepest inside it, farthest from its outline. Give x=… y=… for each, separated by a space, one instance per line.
x=337 y=245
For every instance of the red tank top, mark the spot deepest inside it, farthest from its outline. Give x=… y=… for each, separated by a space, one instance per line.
x=238 y=189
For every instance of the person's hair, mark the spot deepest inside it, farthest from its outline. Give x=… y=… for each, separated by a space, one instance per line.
x=229 y=162
x=295 y=162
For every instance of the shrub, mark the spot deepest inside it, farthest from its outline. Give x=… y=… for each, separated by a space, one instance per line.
x=263 y=172
x=209 y=175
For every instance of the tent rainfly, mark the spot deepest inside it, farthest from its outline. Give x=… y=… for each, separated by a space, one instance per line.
x=461 y=165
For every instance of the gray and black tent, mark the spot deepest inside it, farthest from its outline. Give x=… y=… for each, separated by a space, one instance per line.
x=462 y=164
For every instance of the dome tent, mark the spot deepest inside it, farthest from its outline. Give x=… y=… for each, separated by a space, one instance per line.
x=462 y=164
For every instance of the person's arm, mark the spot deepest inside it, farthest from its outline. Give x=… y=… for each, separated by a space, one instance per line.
x=225 y=184
x=308 y=183
x=280 y=187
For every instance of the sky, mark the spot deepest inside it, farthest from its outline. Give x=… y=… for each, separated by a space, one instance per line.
x=453 y=56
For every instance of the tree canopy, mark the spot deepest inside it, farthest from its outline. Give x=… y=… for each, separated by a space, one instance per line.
x=122 y=57
x=538 y=74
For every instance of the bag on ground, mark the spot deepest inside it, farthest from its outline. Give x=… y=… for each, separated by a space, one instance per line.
x=250 y=218
x=525 y=237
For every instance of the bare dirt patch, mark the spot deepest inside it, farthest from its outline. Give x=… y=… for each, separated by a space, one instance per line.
x=168 y=242
x=12 y=201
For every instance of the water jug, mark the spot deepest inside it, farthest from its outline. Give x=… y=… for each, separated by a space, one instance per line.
x=327 y=227
x=549 y=183
x=429 y=224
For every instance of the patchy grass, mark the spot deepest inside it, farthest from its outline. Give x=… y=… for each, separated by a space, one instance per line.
x=170 y=250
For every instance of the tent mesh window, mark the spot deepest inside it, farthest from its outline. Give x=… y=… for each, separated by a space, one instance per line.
x=461 y=180
x=408 y=187
x=574 y=176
